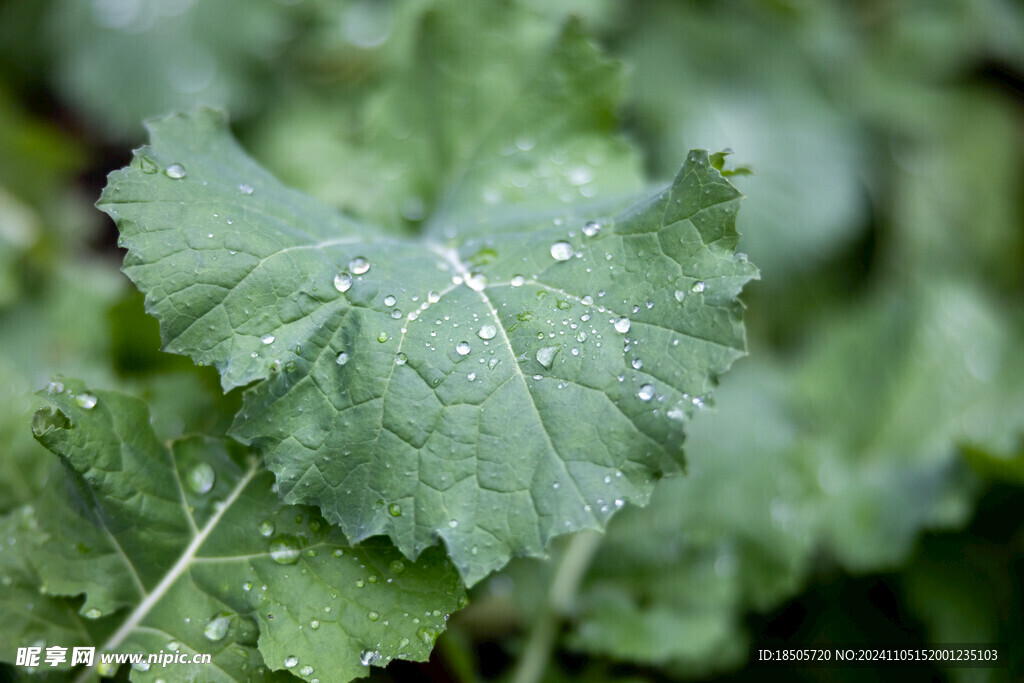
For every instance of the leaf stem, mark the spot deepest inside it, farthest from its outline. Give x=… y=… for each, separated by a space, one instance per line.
x=561 y=595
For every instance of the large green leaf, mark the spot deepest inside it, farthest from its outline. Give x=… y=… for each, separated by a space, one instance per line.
x=189 y=548
x=521 y=381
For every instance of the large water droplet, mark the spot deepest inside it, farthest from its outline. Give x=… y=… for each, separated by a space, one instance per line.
x=306 y=670
x=266 y=528
x=591 y=228
x=267 y=339
x=433 y=297
x=561 y=251
x=486 y=332
x=646 y=392
x=462 y=348
x=92 y=613
x=175 y=171
x=359 y=265
x=517 y=281
x=368 y=657
x=342 y=358
x=217 y=626
x=201 y=478
x=622 y=325
x=401 y=358
x=245 y=188
x=382 y=337
x=546 y=355
x=342 y=282
x=390 y=300
x=637 y=364
x=285 y=549
x=87 y=401
x=373 y=616
x=395 y=510
x=290 y=661
x=698 y=287
x=680 y=295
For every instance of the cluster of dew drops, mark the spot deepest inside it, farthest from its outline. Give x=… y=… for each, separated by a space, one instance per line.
x=560 y=250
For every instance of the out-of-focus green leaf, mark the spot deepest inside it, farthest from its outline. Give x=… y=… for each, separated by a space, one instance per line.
x=489 y=106
x=190 y=548
x=853 y=452
x=120 y=62
x=749 y=87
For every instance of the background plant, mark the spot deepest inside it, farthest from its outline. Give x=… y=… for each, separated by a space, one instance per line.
x=856 y=479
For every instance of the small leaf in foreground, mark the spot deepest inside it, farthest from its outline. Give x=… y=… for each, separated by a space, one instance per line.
x=189 y=549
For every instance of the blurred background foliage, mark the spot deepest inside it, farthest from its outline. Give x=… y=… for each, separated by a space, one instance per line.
x=860 y=478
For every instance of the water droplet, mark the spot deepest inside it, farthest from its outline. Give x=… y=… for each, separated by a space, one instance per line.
x=382 y=337
x=314 y=624
x=290 y=661
x=453 y=523
x=401 y=358
x=148 y=167
x=462 y=348
x=245 y=188
x=87 y=401
x=546 y=355
x=396 y=314
x=306 y=670
x=680 y=295
x=285 y=549
x=359 y=265
x=342 y=282
x=397 y=566
x=591 y=228
x=487 y=332
x=92 y=613
x=201 y=478
x=217 y=626
x=266 y=528
x=637 y=363
x=373 y=616
x=175 y=171
x=622 y=325
x=426 y=636
x=390 y=300
x=698 y=287
x=342 y=358
x=433 y=297
x=517 y=281
x=561 y=251
x=395 y=510
x=646 y=392
x=368 y=657
x=55 y=388
x=477 y=282
x=267 y=339
x=676 y=414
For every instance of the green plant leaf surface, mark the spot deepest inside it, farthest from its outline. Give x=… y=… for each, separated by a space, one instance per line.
x=188 y=548
x=491 y=390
